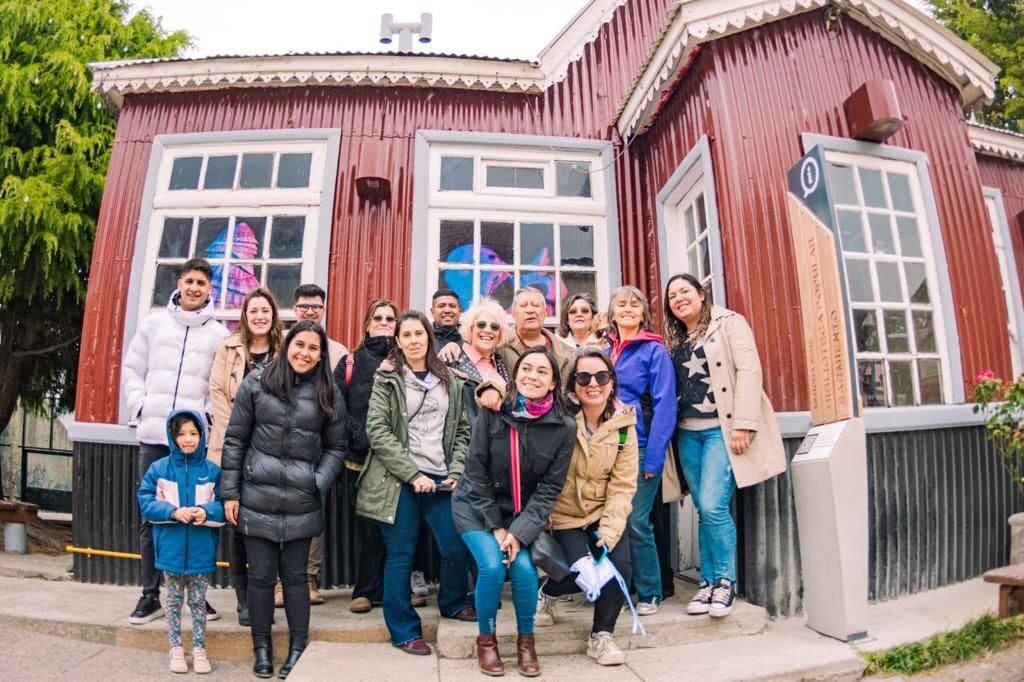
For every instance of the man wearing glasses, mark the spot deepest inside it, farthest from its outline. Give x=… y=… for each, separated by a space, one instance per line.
x=310 y=300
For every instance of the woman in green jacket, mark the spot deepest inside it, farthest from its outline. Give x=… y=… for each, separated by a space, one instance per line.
x=418 y=432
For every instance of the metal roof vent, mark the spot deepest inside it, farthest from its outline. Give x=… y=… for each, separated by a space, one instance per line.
x=388 y=29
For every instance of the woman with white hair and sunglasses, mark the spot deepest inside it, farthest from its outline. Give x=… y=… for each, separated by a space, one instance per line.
x=483 y=329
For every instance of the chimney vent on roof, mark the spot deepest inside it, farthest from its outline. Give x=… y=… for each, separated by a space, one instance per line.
x=389 y=28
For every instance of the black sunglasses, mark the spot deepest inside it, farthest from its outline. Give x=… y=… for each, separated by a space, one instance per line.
x=584 y=378
x=481 y=324
x=383 y=318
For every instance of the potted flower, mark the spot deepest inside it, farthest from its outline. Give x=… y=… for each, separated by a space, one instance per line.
x=1003 y=404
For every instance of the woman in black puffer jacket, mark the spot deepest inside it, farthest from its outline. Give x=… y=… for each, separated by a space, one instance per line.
x=283 y=449
x=354 y=376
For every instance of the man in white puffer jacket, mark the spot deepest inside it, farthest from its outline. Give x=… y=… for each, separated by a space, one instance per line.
x=167 y=368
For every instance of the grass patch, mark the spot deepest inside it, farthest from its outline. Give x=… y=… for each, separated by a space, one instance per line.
x=986 y=634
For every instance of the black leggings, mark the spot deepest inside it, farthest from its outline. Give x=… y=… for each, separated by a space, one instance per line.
x=267 y=560
x=237 y=559
x=576 y=543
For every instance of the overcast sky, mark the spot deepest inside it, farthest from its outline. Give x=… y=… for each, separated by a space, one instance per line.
x=494 y=28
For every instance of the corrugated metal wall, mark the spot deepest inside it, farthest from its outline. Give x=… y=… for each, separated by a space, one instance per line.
x=754 y=93
x=1008 y=177
x=938 y=506
x=370 y=247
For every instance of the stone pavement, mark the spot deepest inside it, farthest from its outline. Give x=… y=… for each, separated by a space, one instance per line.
x=58 y=629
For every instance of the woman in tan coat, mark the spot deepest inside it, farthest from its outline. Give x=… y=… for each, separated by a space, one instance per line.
x=728 y=436
x=591 y=511
x=256 y=342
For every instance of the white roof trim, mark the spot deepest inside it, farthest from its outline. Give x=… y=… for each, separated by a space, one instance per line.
x=700 y=21
x=995 y=142
x=115 y=79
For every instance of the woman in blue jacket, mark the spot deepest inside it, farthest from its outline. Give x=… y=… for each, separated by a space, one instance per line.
x=180 y=496
x=646 y=380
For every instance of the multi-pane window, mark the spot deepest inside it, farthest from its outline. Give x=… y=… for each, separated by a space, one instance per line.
x=250 y=209
x=891 y=281
x=693 y=217
x=1003 y=256
x=501 y=219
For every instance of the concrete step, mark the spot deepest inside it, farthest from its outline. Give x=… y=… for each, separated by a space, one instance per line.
x=670 y=626
x=362 y=663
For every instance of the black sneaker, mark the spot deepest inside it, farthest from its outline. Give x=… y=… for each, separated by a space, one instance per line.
x=148 y=609
x=701 y=602
x=211 y=613
x=722 y=598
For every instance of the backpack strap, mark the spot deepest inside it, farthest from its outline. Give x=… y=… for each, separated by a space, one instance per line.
x=623 y=437
x=350 y=362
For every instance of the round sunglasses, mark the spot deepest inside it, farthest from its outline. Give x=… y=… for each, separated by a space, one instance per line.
x=584 y=378
x=481 y=324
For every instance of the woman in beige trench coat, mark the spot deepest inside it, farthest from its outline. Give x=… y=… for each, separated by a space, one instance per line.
x=728 y=436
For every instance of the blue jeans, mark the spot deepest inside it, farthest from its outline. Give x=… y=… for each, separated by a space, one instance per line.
x=400 y=540
x=646 y=569
x=708 y=472
x=490 y=577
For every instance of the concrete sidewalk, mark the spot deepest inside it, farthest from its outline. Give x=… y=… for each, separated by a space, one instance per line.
x=92 y=621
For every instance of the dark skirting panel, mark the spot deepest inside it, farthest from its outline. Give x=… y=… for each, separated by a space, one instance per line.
x=937 y=508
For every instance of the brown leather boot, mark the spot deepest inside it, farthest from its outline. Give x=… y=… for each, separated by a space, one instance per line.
x=487 y=655
x=526 y=650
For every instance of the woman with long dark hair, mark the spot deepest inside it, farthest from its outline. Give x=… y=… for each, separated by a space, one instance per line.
x=418 y=433
x=514 y=472
x=728 y=435
x=354 y=376
x=256 y=342
x=286 y=434
x=645 y=381
x=590 y=515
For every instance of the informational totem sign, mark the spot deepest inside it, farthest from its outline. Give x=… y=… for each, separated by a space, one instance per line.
x=819 y=264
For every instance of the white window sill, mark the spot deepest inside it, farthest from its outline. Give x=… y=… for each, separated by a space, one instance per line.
x=893 y=419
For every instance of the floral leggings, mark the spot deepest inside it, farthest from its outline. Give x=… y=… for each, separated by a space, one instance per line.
x=194 y=586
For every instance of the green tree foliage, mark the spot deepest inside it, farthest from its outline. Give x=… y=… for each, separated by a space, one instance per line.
x=55 y=140
x=996 y=29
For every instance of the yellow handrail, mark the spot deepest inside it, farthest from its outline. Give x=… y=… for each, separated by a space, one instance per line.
x=89 y=551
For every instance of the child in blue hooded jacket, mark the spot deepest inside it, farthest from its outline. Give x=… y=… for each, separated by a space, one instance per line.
x=180 y=496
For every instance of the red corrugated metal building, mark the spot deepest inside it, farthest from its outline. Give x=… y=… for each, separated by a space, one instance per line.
x=683 y=119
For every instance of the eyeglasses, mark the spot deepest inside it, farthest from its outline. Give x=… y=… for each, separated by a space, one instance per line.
x=584 y=378
x=384 y=318
x=481 y=325
x=306 y=307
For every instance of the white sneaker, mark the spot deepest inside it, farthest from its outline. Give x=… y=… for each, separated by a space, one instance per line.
x=419 y=584
x=603 y=649
x=701 y=602
x=650 y=607
x=546 y=610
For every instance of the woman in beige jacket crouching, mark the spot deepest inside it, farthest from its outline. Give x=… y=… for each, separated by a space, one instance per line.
x=590 y=513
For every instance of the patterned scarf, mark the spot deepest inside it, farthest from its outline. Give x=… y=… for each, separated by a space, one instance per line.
x=525 y=408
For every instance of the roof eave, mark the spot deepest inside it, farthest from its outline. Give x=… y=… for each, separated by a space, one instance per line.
x=995 y=142
x=699 y=21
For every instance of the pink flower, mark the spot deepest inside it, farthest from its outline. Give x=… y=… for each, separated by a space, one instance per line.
x=985 y=375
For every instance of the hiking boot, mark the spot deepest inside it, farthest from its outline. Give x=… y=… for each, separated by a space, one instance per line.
x=360 y=605
x=419 y=584
x=314 y=591
x=278 y=595
x=722 y=598
x=200 y=661
x=649 y=607
x=417 y=600
x=701 y=601
x=546 y=610
x=178 y=664
x=603 y=649
x=146 y=610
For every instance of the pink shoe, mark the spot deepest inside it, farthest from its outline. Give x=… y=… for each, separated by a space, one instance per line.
x=200 y=662
x=178 y=662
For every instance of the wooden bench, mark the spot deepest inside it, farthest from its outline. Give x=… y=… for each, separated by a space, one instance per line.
x=18 y=512
x=1011 y=588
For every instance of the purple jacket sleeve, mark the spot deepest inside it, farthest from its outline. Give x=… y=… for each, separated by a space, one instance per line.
x=663 y=398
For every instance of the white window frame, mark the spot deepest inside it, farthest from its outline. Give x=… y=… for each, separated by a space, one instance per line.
x=315 y=203
x=693 y=177
x=514 y=205
x=1003 y=244
x=946 y=332
x=904 y=305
